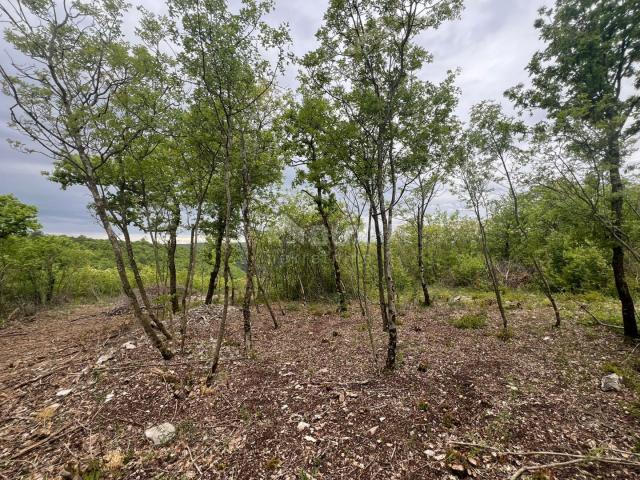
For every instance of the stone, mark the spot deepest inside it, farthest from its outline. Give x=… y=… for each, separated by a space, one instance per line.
x=460 y=299
x=611 y=382
x=373 y=430
x=309 y=438
x=64 y=393
x=429 y=453
x=161 y=434
x=303 y=426
x=129 y=345
x=104 y=358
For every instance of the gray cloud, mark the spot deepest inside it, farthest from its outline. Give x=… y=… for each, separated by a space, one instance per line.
x=491 y=44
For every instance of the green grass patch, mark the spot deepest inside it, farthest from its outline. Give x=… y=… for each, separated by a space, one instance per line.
x=630 y=377
x=470 y=321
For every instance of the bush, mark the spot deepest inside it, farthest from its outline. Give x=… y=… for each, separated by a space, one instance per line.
x=470 y=320
x=469 y=271
x=585 y=268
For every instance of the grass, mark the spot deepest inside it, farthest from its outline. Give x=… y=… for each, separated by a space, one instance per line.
x=470 y=321
x=630 y=376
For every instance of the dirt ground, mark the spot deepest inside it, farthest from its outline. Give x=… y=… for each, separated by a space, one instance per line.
x=310 y=404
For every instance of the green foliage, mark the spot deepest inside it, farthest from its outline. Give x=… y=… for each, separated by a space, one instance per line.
x=16 y=218
x=470 y=321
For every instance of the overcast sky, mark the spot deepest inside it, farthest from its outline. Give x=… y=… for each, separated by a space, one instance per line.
x=491 y=45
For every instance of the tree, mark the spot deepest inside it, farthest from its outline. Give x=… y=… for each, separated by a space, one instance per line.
x=476 y=174
x=223 y=52
x=427 y=131
x=586 y=81
x=311 y=140
x=82 y=97
x=497 y=136
x=17 y=218
x=367 y=59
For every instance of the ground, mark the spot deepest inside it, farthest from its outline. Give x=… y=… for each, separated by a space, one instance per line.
x=310 y=403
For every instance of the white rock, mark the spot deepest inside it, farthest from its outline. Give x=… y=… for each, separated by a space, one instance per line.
x=429 y=453
x=161 y=434
x=309 y=438
x=303 y=426
x=129 y=345
x=323 y=370
x=611 y=382
x=64 y=393
x=104 y=358
x=373 y=430
x=109 y=397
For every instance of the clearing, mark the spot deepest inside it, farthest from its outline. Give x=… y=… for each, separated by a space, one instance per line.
x=310 y=404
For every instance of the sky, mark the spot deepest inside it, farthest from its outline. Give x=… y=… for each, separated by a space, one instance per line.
x=490 y=44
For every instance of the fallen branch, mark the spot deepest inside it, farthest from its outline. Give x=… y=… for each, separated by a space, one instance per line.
x=574 y=458
x=12 y=334
x=610 y=325
x=523 y=470
x=44 y=441
x=40 y=377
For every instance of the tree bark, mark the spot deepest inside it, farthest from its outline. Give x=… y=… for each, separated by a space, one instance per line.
x=171 y=257
x=213 y=277
x=617 y=257
x=386 y=250
x=423 y=282
x=379 y=259
x=248 y=238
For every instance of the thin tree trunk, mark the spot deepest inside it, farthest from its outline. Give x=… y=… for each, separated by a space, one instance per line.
x=490 y=267
x=213 y=278
x=227 y=253
x=423 y=282
x=362 y=294
x=304 y=297
x=536 y=264
x=248 y=238
x=379 y=259
x=267 y=302
x=386 y=247
x=617 y=257
x=193 y=245
x=138 y=279
x=171 y=257
x=120 y=266
x=342 y=300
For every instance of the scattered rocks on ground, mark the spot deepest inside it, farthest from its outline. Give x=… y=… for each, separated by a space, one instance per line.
x=460 y=299
x=104 y=358
x=161 y=434
x=611 y=382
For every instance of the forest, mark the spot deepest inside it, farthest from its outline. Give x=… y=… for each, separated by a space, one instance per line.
x=281 y=288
